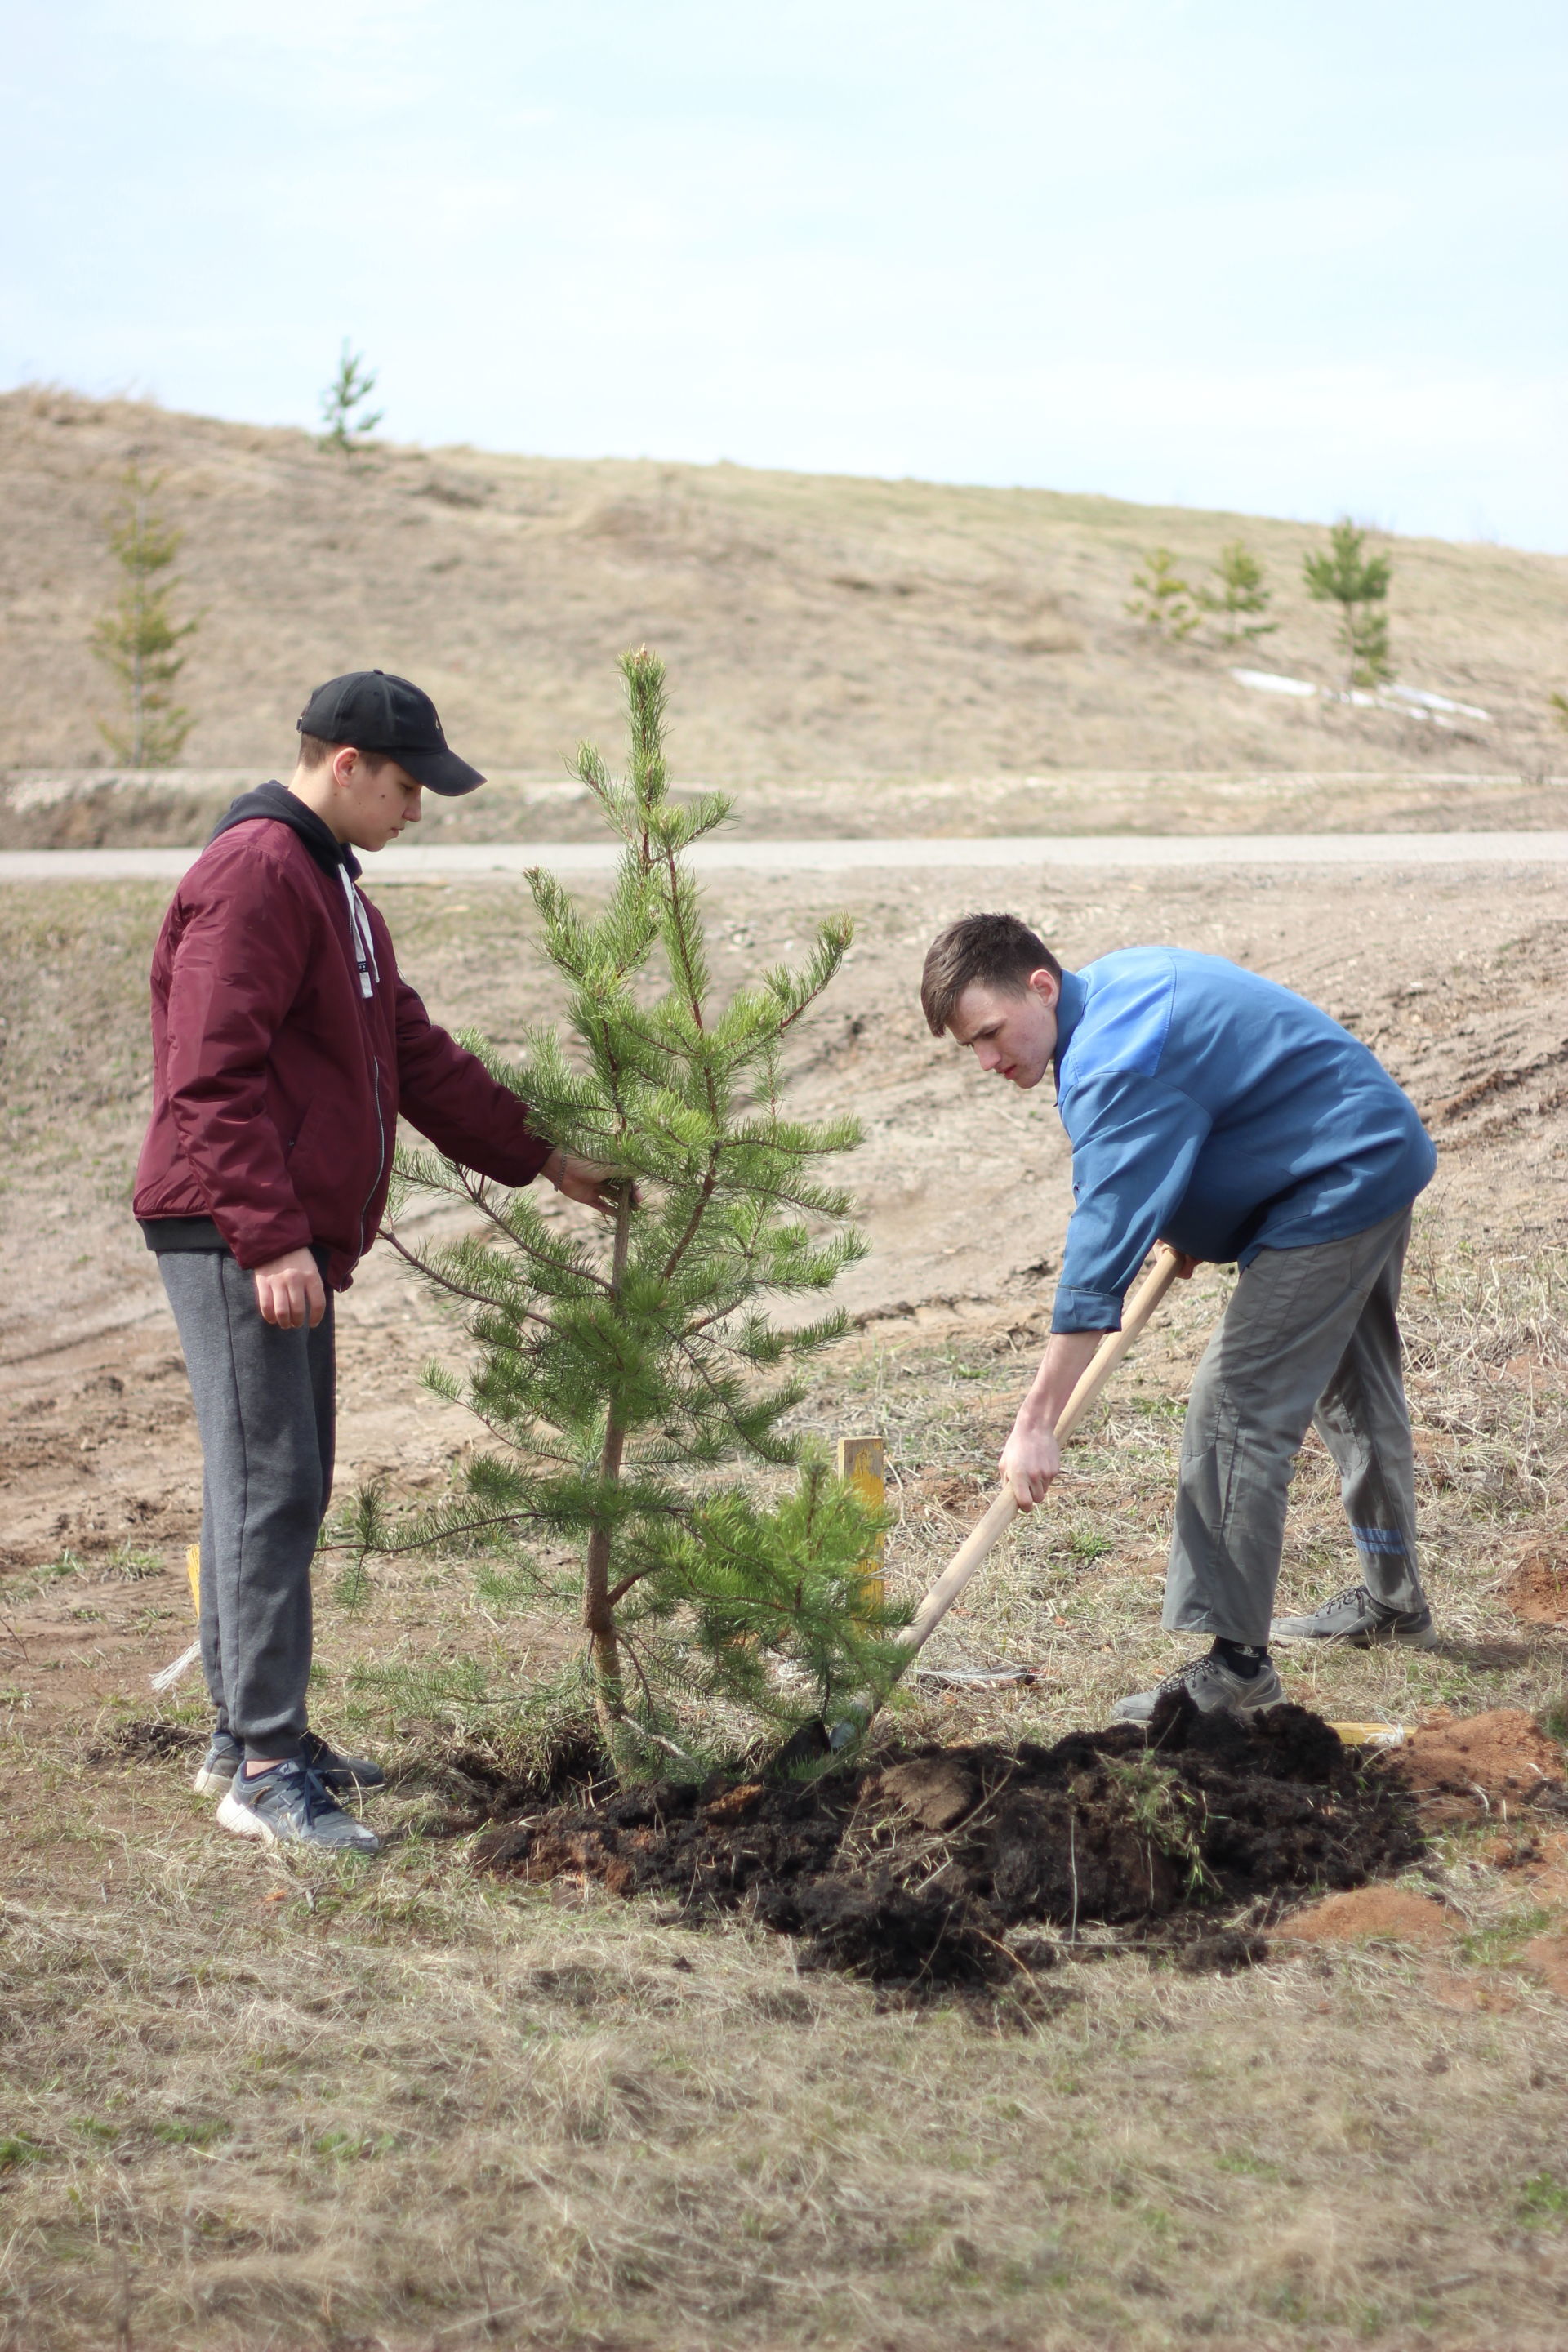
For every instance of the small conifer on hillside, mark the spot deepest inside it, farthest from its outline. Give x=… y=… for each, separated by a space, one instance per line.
x=137 y=637
x=1164 y=600
x=1357 y=584
x=348 y=426
x=627 y=1379
x=1241 y=600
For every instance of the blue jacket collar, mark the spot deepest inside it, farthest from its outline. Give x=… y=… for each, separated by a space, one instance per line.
x=1069 y=1013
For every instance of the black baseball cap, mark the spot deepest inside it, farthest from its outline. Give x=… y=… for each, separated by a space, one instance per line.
x=377 y=712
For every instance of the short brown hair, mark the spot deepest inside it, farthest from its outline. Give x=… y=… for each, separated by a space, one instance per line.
x=998 y=950
x=314 y=752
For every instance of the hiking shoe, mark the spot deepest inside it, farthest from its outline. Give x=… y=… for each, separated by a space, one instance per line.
x=225 y=1757
x=1356 y=1616
x=291 y=1806
x=1214 y=1688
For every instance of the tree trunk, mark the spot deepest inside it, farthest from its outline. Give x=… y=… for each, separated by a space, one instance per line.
x=598 y=1616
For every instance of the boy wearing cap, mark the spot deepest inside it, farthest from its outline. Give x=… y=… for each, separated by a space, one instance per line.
x=285 y=1047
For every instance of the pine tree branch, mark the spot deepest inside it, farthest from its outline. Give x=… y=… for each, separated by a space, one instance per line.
x=704 y=1195
x=694 y=1003
x=727 y=1406
x=388 y=1551
x=460 y=1290
x=476 y=1194
x=746 y=1276
x=687 y=975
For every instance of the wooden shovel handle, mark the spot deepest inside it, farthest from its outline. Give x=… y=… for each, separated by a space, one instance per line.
x=983 y=1539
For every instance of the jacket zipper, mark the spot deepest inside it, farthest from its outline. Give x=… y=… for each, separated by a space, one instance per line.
x=358 y=946
x=381 y=1161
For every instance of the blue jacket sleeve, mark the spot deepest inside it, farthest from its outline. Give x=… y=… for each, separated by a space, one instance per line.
x=1134 y=1143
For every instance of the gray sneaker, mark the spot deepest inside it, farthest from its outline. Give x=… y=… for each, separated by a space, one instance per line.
x=1214 y=1688
x=225 y=1757
x=1357 y=1617
x=291 y=1806
x=219 y=1766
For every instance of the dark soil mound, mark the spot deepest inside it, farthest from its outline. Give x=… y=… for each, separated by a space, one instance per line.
x=148 y=1743
x=915 y=1869
x=576 y=1771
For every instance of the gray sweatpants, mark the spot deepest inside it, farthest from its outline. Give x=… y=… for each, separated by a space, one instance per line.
x=264 y=1404
x=1310 y=1336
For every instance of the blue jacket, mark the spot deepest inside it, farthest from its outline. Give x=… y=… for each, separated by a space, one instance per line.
x=1217 y=1111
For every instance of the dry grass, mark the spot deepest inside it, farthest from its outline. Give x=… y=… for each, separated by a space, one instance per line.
x=1079 y=1595
x=415 y=2114
x=816 y=626
x=250 y=2104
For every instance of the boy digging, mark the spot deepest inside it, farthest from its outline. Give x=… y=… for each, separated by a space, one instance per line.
x=285 y=1046
x=1215 y=1110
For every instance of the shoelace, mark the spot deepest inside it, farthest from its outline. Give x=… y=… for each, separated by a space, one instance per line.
x=317 y=1797
x=1193 y=1671
x=1351 y=1592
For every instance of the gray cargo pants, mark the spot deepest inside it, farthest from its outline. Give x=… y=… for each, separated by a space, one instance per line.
x=1310 y=1336
x=264 y=1404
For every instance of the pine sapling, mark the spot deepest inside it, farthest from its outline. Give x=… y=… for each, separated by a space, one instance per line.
x=1164 y=600
x=1357 y=584
x=137 y=636
x=347 y=432
x=1241 y=599
x=633 y=1383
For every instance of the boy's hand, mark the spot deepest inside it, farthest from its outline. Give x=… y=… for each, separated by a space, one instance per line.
x=290 y=1292
x=587 y=1181
x=1031 y=1457
x=1030 y=1460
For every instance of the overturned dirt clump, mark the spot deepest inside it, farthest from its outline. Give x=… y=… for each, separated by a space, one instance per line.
x=916 y=1868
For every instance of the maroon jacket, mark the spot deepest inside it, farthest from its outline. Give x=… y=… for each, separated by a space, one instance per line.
x=277 y=1082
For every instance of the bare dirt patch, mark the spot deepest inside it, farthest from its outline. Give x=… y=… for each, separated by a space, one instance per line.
x=1546 y=1958
x=1384 y=1914
x=1537 y=1590
x=1487 y=1767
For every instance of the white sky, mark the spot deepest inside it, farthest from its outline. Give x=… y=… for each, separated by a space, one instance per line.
x=1299 y=256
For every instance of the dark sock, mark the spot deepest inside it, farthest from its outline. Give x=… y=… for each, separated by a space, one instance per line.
x=1239 y=1657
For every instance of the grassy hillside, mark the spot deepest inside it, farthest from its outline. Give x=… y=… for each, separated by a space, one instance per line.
x=816 y=626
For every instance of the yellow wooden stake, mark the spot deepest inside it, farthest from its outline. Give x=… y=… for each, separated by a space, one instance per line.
x=167 y=1676
x=862 y=1462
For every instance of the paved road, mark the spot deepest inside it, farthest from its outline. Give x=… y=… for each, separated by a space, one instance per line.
x=474 y=862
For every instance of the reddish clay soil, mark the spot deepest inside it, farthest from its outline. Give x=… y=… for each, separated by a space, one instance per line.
x=1545 y=1958
x=1388 y=1915
x=1537 y=1590
x=1479 y=1767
